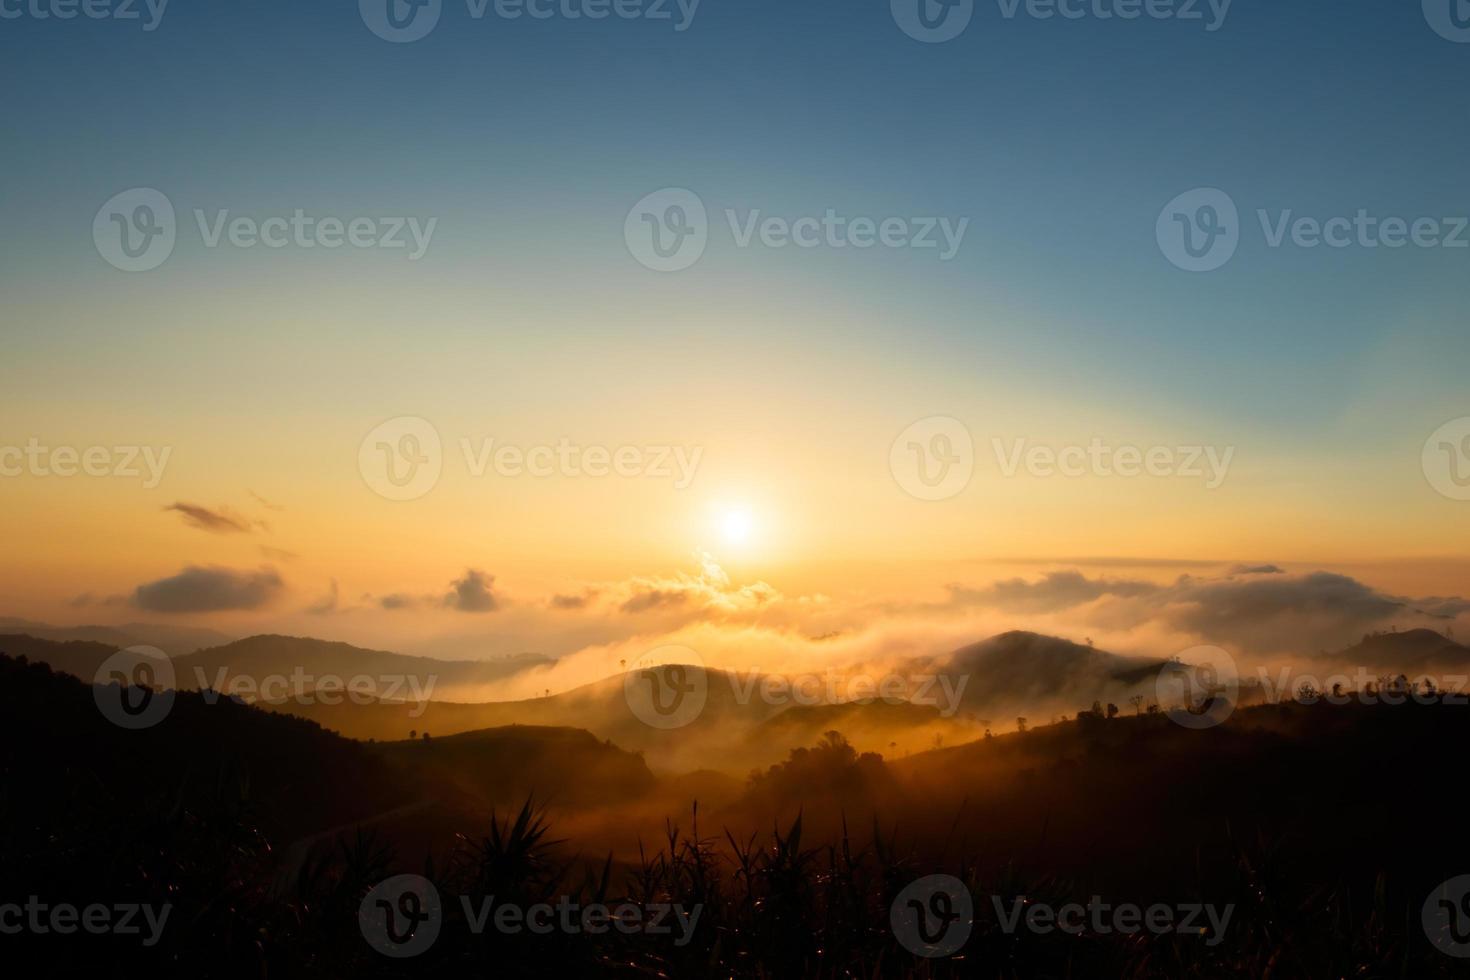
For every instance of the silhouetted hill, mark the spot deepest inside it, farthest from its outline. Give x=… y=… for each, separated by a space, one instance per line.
x=395 y=675
x=505 y=766
x=81 y=659
x=1407 y=652
x=171 y=639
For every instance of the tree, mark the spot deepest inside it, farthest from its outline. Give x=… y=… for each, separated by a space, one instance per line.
x=1137 y=702
x=1112 y=710
x=413 y=733
x=1020 y=724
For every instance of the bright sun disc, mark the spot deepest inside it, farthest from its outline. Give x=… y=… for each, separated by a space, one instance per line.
x=737 y=526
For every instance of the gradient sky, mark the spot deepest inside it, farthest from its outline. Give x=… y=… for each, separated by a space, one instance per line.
x=794 y=370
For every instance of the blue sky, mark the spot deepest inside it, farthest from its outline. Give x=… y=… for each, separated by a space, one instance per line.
x=530 y=140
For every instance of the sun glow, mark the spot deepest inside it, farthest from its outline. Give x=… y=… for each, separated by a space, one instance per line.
x=737 y=526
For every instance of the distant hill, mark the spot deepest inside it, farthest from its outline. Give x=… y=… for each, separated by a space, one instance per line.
x=79 y=658
x=1418 y=650
x=504 y=766
x=335 y=664
x=172 y=640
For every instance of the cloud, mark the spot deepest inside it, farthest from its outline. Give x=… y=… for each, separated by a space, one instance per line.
x=472 y=593
x=709 y=593
x=647 y=599
x=570 y=602
x=209 y=589
x=263 y=502
x=219 y=521
x=327 y=604
x=398 y=601
x=278 y=554
x=1257 y=570
x=1056 y=590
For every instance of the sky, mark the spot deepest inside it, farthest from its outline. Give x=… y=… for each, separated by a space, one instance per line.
x=801 y=386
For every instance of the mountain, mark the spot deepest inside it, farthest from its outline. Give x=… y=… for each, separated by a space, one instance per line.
x=504 y=766
x=1409 y=652
x=309 y=663
x=172 y=640
x=79 y=658
x=1029 y=671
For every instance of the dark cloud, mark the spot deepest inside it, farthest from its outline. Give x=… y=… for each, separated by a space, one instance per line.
x=398 y=600
x=211 y=589
x=327 y=604
x=655 y=599
x=218 y=521
x=1058 y=590
x=472 y=593
x=570 y=602
x=1258 y=570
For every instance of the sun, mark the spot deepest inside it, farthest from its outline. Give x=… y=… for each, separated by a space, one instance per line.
x=737 y=526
